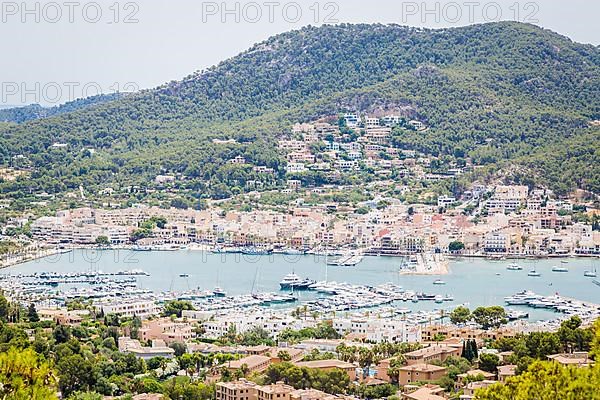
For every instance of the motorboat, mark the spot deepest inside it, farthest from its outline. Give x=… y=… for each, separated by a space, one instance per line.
x=425 y=296
x=590 y=273
x=514 y=267
x=439 y=282
x=513 y=315
x=141 y=248
x=293 y=281
x=184 y=275
x=522 y=298
x=255 y=251
x=438 y=299
x=219 y=292
x=559 y=269
x=534 y=273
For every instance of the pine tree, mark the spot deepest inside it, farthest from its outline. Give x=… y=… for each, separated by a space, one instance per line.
x=32 y=314
x=474 y=351
x=467 y=350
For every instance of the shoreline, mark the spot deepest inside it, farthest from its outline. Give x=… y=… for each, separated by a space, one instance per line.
x=38 y=254
x=429 y=264
x=436 y=263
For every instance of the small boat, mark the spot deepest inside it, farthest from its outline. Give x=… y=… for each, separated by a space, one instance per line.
x=497 y=273
x=514 y=267
x=534 y=273
x=184 y=275
x=438 y=299
x=513 y=315
x=141 y=248
x=439 y=282
x=596 y=282
x=448 y=297
x=219 y=292
x=590 y=273
x=255 y=251
x=559 y=269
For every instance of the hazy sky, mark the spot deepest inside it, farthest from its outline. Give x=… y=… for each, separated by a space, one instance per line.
x=55 y=51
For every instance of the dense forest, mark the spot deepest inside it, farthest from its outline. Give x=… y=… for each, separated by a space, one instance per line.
x=36 y=111
x=501 y=93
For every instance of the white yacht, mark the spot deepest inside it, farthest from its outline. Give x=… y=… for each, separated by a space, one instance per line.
x=521 y=298
x=590 y=273
x=534 y=273
x=290 y=280
x=293 y=281
x=514 y=267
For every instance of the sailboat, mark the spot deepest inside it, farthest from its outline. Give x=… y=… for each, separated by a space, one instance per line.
x=534 y=273
x=218 y=291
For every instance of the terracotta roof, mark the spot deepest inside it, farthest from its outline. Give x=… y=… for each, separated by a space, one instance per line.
x=250 y=361
x=423 y=394
x=422 y=368
x=325 y=364
x=507 y=369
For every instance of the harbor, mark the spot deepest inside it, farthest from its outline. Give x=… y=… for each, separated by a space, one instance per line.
x=256 y=280
x=561 y=304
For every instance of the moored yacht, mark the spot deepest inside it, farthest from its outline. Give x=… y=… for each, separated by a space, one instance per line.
x=559 y=269
x=534 y=273
x=514 y=267
x=219 y=292
x=521 y=298
x=293 y=281
x=590 y=273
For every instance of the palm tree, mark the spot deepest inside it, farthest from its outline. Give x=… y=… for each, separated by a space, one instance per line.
x=244 y=369
x=395 y=364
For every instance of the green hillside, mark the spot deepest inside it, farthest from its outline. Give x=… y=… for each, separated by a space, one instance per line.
x=501 y=93
x=36 y=111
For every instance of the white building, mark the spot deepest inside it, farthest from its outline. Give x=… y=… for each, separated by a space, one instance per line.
x=496 y=242
x=444 y=201
x=294 y=167
x=391 y=120
x=352 y=120
x=140 y=308
x=371 y=122
x=378 y=330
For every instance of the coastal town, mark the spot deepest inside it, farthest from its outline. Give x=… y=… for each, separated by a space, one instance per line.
x=369 y=340
x=386 y=216
x=300 y=200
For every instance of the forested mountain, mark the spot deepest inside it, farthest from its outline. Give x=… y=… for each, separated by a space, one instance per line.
x=36 y=111
x=500 y=92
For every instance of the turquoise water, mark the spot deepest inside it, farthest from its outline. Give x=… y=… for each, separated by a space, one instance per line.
x=472 y=281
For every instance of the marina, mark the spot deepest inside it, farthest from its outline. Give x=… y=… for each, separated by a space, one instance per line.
x=557 y=303
x=251 y=280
